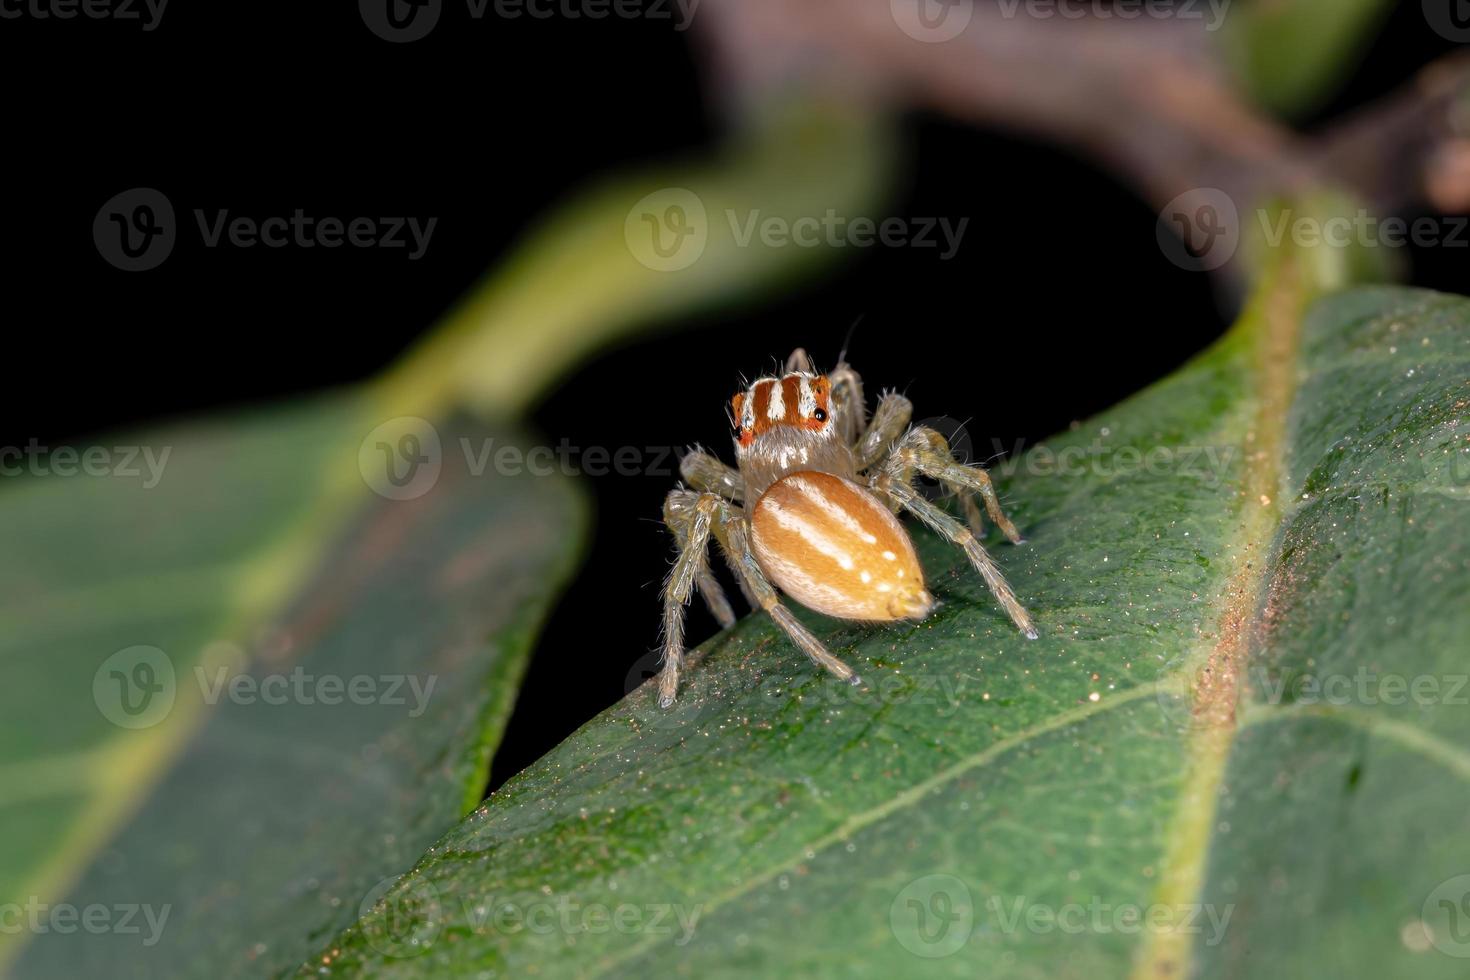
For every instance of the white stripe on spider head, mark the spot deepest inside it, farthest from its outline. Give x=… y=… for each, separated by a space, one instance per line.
x=808 y=404
x=777 y=409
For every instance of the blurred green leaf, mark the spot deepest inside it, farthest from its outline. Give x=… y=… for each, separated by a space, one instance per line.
x=1292 y=502
x=1291 y=55
x=271 y=545
x=342 y=732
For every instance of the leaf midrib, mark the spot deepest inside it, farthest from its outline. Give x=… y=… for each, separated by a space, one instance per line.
x=1273 y=329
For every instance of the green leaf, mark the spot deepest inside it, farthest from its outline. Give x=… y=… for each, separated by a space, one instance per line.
x=269 y=552
x=1293 y=500
x=314 y=748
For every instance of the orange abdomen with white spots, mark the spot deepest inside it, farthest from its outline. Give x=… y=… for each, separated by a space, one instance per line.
x=833 y=547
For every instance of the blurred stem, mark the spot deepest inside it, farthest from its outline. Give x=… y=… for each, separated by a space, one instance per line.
x=1152 y=99
x=577 y=281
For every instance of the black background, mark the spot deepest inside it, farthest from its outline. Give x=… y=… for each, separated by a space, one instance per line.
x=1058 y=304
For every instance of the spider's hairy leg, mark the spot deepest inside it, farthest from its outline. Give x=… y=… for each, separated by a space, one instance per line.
x=958 y=534
x=889 y=421
x=680 y=513
x=690 y=517
x=703 y=471
x=927 y=452
x=707 y=473
x=735 y=538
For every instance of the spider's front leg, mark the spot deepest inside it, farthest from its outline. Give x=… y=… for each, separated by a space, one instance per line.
x=690 y=516
x=889 y=422
x=705 y=472
x=958 y=534
x=892 y=483
x=927 y=452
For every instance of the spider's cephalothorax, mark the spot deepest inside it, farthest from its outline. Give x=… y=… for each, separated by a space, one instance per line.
x=785 y=425
x=811 y=511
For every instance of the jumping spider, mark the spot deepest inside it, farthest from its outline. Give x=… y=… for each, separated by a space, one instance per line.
x=811 y=511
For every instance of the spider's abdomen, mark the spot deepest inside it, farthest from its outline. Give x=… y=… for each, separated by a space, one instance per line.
x=833 y=547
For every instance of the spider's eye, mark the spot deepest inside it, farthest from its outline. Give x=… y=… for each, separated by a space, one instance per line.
x=820 y=415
